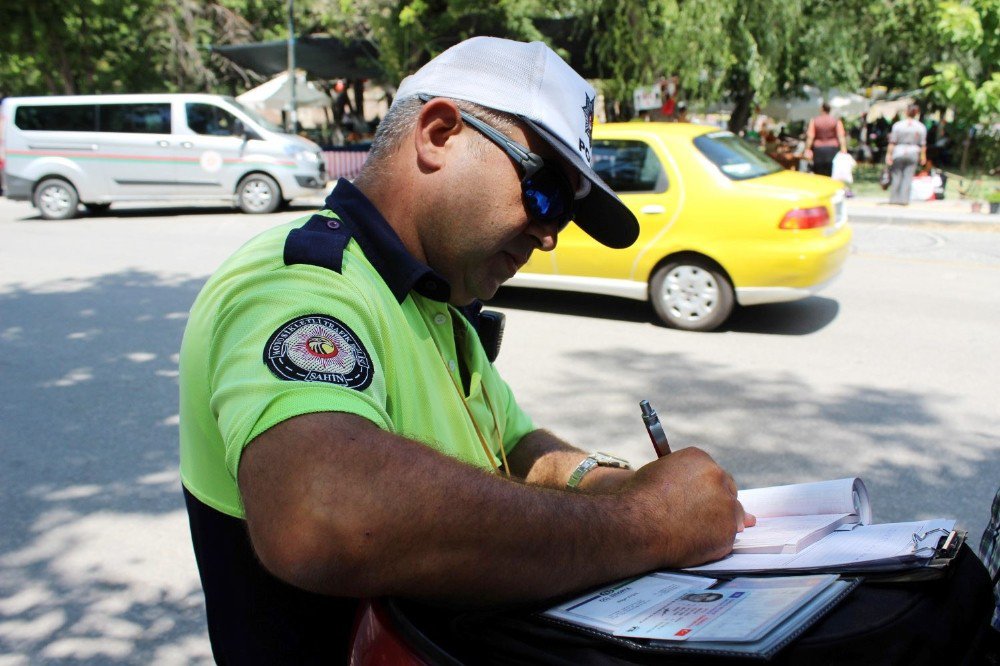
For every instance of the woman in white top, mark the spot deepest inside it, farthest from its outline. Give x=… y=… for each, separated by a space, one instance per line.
x=907 y=147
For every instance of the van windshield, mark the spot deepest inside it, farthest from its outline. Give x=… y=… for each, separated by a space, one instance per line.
x=736 y=158
x=254 y=116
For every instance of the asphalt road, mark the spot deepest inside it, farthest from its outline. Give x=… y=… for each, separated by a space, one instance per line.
x=889 y=375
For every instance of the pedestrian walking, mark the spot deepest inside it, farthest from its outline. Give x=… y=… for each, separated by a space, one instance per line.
x=907 y=148
x=825 y=136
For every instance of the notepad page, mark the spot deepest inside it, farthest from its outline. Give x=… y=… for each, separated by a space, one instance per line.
x=835 y=497
x=869 y=543
x=788 y=534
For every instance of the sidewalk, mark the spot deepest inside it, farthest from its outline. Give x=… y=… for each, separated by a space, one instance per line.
x=941 y=211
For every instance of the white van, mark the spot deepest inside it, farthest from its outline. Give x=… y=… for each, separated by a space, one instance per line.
x=61 y=151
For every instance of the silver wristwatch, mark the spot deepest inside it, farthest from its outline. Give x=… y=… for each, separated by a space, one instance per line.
x=596 y=459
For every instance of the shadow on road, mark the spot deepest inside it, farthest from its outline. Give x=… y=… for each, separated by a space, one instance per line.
x=95 y=562
x=796 y=318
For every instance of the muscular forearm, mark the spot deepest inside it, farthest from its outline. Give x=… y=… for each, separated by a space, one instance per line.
x=340 y=507
x=544 y=459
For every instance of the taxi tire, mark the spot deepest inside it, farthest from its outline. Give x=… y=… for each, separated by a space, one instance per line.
x=694 y=282
x=56 y=199
x=258 y=194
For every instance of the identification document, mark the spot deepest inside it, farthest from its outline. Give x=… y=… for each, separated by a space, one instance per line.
x=671 y=607
x=792 y=517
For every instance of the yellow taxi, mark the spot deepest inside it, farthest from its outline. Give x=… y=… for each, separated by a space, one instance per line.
x=720 y=224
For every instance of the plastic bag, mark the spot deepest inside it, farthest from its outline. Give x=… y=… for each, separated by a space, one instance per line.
x=885 y=179
x=843 y=168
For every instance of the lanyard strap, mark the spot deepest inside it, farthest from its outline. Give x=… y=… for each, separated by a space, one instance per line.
x=490 y=456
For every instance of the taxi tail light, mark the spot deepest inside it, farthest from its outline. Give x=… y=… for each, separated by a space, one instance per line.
x=806 y=218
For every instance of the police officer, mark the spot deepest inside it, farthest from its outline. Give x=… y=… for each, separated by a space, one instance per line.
x=343 y=433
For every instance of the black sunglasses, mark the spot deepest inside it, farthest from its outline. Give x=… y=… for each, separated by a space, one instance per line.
x=548 y=195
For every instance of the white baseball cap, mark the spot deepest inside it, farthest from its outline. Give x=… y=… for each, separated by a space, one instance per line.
x=530 y=81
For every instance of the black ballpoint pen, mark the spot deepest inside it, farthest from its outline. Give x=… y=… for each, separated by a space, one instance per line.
x=655 y=430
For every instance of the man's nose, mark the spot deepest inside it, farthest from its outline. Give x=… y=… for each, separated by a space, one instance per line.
x=546 y=234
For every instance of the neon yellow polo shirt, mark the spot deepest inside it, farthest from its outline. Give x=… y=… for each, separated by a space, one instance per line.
x=330 y=313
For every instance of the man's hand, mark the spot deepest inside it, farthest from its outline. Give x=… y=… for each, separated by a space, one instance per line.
x=691 y=507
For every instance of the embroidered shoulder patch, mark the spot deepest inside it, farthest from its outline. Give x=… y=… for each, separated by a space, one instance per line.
x=319 y=348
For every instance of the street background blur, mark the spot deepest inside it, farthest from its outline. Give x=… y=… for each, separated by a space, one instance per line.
x=759 y=69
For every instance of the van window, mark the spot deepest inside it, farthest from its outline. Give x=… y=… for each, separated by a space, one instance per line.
x=57 y=117
x=211 y=120
x=628 y=166
x=134 y=118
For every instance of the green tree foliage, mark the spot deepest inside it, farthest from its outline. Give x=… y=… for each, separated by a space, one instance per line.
x=966 y=79
x=742 y=51
x=718 y=48
x=629 y=51
x=105 y=46
x=411 y=32
x=75 y=47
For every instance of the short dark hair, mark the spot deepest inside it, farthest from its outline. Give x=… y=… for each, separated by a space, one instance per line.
x=913 y=110
x=825 y=106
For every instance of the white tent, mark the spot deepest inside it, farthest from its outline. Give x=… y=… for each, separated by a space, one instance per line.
x=277 y=93
x=842 y=104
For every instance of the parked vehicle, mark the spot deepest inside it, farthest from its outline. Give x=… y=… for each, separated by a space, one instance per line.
x=720 y=224
x=60 y=151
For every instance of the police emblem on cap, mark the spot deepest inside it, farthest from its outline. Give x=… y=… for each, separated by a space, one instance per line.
x=318 y=348
x=588 y=125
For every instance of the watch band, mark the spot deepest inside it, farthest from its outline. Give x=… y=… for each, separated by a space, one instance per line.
x=596 y=459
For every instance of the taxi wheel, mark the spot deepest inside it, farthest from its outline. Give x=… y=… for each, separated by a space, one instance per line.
x=691 y=294
x=258 y=193
x=56 y=199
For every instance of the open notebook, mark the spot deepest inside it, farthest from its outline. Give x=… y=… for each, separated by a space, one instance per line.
x=792 y=517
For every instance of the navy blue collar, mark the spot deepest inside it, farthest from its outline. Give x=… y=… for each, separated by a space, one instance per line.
x=382 y=246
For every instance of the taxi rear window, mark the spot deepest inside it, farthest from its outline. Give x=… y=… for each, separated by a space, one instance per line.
x=734 y=157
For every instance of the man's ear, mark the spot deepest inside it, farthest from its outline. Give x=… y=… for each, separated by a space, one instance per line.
x=439 y=121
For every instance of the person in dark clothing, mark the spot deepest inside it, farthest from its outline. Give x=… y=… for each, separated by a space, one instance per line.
x=824 y=138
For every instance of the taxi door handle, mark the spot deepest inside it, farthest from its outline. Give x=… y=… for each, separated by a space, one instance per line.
x=653 y=209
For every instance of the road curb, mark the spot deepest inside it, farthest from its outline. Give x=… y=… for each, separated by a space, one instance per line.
x=881 y=216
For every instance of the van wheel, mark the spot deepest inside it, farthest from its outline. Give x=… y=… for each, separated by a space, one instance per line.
x=691 y=294
x=258 y=193
x=56 y=199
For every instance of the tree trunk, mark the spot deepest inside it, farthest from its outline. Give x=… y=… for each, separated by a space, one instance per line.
x=742 y=106
x=742 y=96
x=359 y=99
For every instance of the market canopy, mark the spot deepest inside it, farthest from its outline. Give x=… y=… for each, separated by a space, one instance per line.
x=319 y=57
x=806 y=105
x=277 y=93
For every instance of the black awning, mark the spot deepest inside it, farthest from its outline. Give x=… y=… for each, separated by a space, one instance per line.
x=320 y=57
